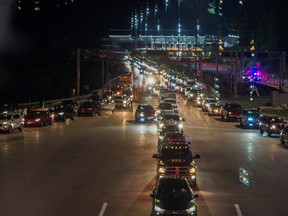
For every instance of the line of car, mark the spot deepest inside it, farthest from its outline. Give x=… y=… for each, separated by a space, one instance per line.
x=15 y=118
x=176 y=169
x=251 y=118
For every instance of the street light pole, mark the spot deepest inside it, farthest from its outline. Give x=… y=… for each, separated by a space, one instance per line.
x=78 y=73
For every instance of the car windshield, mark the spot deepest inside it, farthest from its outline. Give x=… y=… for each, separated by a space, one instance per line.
x=174 y=192
x=119 y=97
x=165 y=106
x=171 y=101
x=176 y=153
x=34 y=114
x=5 y=117
x=211 y=101
x=172 y=117
x=253 y=112
x=276 y=120
x=145 y=108
x=86 y=104
x=235 y=106
x=59 y=108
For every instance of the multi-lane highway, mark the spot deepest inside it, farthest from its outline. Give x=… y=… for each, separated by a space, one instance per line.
x=103 y=165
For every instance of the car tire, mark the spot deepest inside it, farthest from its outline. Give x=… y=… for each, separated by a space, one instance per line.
x=261 y=131
x=282 y=141
x=64 y=119
x=21 y=127
x=9 y=130
x=269 y=134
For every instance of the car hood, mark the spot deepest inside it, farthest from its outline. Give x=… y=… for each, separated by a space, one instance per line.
x=175 y=204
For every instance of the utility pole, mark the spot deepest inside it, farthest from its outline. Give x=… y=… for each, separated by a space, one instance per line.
x=282 y=70
x=78 y=73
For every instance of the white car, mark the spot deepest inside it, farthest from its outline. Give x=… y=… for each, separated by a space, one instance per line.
x=11 y=121
x=207 y=102
x=173 y=101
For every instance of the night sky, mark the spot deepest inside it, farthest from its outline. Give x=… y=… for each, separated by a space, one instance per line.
x=33 y=44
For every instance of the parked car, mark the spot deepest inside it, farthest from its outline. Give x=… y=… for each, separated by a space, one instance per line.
x=173 y=101
x=214 y=110
x=208 y=101
x=62 y=112
x=144 y=113
x=122 y=101
x=250 y=118
x=89 y=108
x=271 y=124
x=11 y=121
x=231 y=111
x=284 y=135
x=38 y=118
x=173 y=196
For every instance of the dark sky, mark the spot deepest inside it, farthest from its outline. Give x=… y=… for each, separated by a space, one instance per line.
x=91 y=19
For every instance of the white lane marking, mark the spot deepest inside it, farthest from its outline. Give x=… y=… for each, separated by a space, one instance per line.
x=103 y=209
x=238 y=210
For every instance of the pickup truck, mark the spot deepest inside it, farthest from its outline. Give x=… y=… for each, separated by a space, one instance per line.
x=231 y=111
x=176 y=160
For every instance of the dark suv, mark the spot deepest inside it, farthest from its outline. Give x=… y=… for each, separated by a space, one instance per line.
x=144 y=113
x=62 y=112
x=89 y=108
x=173 y=196
x=271 y=124
x=250 y=118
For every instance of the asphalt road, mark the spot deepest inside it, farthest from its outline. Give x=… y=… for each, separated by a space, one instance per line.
x=103 y=165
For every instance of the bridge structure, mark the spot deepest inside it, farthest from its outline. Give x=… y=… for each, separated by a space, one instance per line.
x=122 y=40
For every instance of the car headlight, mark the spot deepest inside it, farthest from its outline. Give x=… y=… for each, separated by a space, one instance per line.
x=250 y=119
x=38 y=119
x=161 y=170
x=125 y=101
x=192 y=170
x=161 y=125
x=141 y=114
x=216 y=110
x=191 y=209
x=230 y=113
x=61 y=113
x=273 y=127
x=158 y=209
x=180 y=126
x=161 y=137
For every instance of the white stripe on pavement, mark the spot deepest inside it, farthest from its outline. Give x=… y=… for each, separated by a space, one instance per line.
x=103 y=209
x=238 y=210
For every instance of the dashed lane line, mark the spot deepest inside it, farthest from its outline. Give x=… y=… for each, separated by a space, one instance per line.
x=104 y=206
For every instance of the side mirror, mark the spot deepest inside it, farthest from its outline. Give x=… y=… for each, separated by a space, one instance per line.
x=196 y=156
x=155 y=156
x=195 y=196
